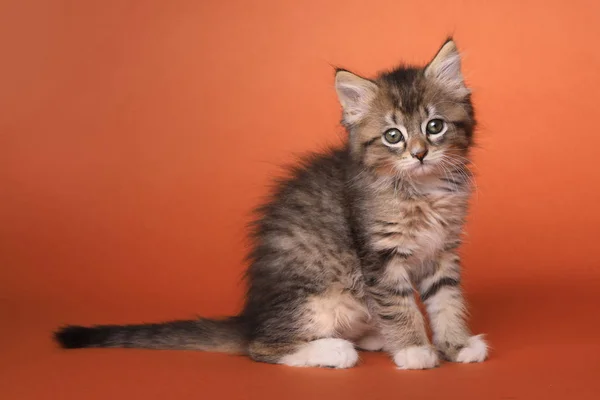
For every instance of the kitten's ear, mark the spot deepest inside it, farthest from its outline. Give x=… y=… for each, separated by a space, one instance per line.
x=355 y=95
x=445 y=69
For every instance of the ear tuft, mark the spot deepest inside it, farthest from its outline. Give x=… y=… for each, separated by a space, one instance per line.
x=445 y=68
x=355 y=95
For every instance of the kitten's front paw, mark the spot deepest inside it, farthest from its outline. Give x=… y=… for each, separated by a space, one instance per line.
x=476 y=350
x=416 y=357
x=472 y=349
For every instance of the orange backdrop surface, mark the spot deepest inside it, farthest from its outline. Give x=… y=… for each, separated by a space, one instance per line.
x=136 y=137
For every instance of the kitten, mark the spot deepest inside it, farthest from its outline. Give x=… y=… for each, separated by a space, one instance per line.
x=343 y=242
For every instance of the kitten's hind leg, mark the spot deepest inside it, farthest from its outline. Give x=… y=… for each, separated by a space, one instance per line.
x=327 y=352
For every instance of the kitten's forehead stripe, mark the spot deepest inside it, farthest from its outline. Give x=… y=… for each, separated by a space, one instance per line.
x=394 y=95
x=405 y=88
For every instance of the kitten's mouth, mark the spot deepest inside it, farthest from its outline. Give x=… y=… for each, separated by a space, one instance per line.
x=420 y=166
x=420 y=169
x=417 y=168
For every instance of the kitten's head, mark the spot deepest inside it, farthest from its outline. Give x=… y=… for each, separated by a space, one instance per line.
x=410 y=121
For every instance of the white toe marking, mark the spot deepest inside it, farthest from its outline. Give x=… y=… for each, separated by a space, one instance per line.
x=416 y=357
x=371 y=343
x=476 y=350
x=336 y=353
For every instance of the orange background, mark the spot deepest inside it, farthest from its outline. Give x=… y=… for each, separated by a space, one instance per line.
x=136 y=136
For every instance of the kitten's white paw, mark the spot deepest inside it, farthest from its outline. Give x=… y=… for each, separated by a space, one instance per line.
x=330 y=352
x=416 y=357
x=476 y=350
x=373 y=342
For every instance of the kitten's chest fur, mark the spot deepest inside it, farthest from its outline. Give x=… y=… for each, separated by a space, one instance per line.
x=416 y=221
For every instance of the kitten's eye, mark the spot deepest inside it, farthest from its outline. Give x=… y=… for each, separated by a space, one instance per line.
x=393 y=136
x=434 y=126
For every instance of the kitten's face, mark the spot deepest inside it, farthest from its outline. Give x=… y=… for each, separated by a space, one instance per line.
x=410 y=122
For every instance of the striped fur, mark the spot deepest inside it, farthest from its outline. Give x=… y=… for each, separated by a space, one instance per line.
x=346 y=239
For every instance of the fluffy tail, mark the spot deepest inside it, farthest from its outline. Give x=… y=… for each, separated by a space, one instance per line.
x=225 y=335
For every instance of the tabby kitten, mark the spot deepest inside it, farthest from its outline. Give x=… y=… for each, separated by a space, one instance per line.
x=342 y=244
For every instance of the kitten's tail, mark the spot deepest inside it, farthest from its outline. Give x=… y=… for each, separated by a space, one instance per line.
x=227 y=336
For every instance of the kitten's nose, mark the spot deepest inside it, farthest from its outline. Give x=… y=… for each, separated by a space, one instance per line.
x=419 y=153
